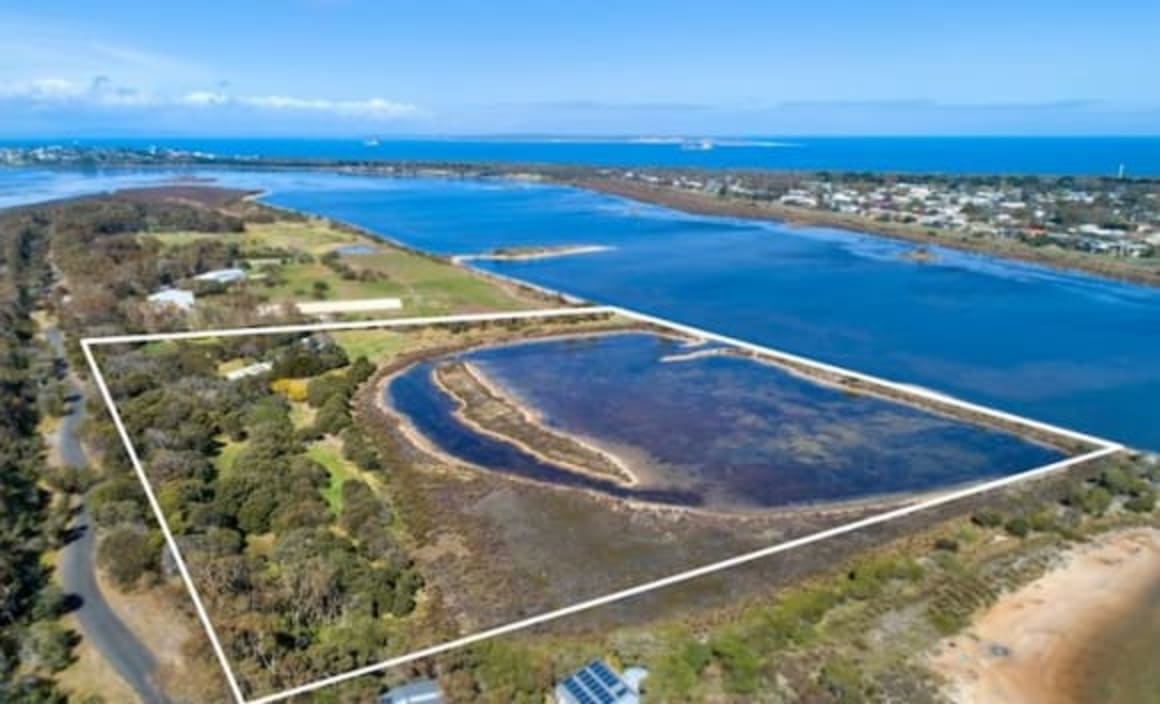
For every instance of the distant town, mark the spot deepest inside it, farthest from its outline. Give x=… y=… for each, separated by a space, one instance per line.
x=1114 y=217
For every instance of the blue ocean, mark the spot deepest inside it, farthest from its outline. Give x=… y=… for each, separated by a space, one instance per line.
x=1091 y=156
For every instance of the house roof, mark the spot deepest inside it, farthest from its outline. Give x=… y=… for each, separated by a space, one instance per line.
x=224 y=276
x=417 y=692
x=251 y=370
x=596 y=683
x=174 y=297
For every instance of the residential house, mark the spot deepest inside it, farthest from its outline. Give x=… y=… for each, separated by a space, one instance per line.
x=597 y=683
x=174 y=297
x=222 y=276
x=416 y=692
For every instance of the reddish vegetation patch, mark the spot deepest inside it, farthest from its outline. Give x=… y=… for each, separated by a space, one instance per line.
x=209 y=196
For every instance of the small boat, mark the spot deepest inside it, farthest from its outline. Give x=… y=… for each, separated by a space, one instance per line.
x=372 y=142
x=703 y=145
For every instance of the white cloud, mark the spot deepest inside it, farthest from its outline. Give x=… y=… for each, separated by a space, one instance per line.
x=377 y=108
x=102 y=92
x=371 y=108
x=204 y=98
x=62 y=68
x=42 y=89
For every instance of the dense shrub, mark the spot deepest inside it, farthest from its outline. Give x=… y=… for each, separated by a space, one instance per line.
x=987 y=518
x=1018 y=527
x=125 y=554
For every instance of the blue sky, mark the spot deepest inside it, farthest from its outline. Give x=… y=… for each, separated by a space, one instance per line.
x=355 y=67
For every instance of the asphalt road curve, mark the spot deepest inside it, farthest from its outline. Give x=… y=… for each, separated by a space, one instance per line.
x=98 y=622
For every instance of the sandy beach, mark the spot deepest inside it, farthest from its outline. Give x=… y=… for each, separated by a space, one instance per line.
x=534 y=253
x=1043 y=644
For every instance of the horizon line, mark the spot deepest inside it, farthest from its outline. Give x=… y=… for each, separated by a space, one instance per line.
x=642 y=137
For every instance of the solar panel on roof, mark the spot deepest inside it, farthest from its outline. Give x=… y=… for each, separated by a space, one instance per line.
x=589 y=681
x=604 y=674
x=576 y=691
x=590 y=686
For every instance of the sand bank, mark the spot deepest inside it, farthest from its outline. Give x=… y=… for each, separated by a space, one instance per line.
x=523 y=254
x=1035 y=644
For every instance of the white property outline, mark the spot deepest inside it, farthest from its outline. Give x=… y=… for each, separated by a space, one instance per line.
x=1103 y=448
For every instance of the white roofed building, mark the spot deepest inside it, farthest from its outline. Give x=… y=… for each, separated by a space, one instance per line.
x=222 y=276
x=175 y=297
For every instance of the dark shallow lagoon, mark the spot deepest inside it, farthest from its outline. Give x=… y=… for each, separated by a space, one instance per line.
x=714 y=431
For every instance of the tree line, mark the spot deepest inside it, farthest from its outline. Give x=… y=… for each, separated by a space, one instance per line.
x=33 y=642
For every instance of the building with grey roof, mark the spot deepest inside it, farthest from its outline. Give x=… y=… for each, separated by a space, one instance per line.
x=416 y=692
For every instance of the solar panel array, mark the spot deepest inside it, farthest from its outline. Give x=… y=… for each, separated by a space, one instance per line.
x=606 y=676
x=595 y=684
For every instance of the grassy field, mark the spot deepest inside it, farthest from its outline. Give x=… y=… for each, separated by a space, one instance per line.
x=315 y=237
x=90 y=675
x=328 y=453
x=372 y=344
x=286 y=260
x=301 y=414
x=229 y=453
x=427 y=287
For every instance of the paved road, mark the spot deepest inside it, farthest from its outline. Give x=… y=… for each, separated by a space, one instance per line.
x=98 y=622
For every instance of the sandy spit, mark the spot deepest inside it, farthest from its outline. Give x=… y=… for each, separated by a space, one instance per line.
x=1028 y=646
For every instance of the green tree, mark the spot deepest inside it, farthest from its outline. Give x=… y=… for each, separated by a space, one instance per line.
x=1018 y=527
x=51 y=645
x=125 y=554
x=1144 y=502
x=741 y=664
x=842 y=680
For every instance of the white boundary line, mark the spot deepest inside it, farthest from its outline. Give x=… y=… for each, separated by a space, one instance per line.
x=1103 y=448
x=351 y=325
x=86 y=346
x=908 y=389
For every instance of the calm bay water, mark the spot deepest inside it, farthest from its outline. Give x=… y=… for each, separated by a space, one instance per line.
x=1070 y=349
x=716 y=431
x=986 y=155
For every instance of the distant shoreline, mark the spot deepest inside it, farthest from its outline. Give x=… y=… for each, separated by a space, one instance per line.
x=588 y=178
x=704 y=204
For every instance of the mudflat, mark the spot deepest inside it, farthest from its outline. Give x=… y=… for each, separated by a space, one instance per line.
x=487 y=409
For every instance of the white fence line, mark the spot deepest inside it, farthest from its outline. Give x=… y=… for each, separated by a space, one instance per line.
x=1104 y=448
